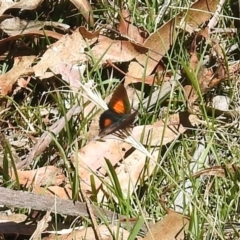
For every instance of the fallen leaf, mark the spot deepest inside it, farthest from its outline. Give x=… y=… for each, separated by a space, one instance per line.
x=16 y=26
x=60 y=52
x=20 y=67
x=158 y=44
x=23 y=4
x=89 y=35
x=160 y=41
x=126 y=28
x=200 y=12
x=43 y=176
x=115 y=50
x=85 y=8
x=109 y=232
x=218 y=171
x=61 y=192
x=173 y=226
x=116 y=150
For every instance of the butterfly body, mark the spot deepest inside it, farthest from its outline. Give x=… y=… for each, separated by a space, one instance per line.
x=119 y=115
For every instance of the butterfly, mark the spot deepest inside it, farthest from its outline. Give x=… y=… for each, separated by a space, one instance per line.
x=119 y=115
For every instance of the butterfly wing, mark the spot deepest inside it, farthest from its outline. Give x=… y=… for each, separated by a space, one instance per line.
x=111 y=122
x=119 y=102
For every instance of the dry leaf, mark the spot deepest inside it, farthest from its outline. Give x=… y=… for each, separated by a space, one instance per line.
x=60 y=52
x=218 y=171
x=115 y=150
x=109 y=232
x=89 y=35
x=85 y=8
x=43 y=176
x=172 y=227
x=23 y=4
x=200 y=12
x=20 y=67
x=17 y=26
x=52 y=34
x=158 y=44
x=61 y=192
x=115 y=50
x=126 y=28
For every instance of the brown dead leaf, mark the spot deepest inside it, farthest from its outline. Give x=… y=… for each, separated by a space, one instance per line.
x=160 y=132
x=160 y=41
x=16 y=26
x=52 y=34
x=109 y=232
x=158 y=44
x=20 y=67
x=89 y=35
x=115 y=50
x=200 y=12
x=126 y=28
x=90 y=161
x=61 y=192
x=173 y=226
x=115 y=150
x=85 y=8
x=60 y=52
x=23 y=4
x=43 y=176
x=218 y=171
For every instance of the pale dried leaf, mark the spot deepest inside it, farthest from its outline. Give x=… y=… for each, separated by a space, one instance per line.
x=200 y=12
x=61 y=192
x=17 y=218
x=17 y=26
x=158 y=44
x=109 y=232
x=27 y=4
x=23 y=4
x=85 y=8
x=20 y=67
x=172 y=227
x=90 y=161
x=59 y=53
x=126 y=27
x=43 y=176
x=115 y=50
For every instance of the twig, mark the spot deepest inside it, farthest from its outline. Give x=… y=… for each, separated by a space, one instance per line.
x=21 y=199
x=46 y=137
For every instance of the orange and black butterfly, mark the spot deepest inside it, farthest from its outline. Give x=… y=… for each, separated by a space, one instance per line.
x=119 y=115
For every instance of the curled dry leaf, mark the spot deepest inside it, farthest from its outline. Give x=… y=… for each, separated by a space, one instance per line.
x=103 y=49
x=20 y=67
x=173 y=226
x=16 y=26
x=219 y=171
x=85 y=8
x=52 y=34
x=43 y=176
x=23 y=4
